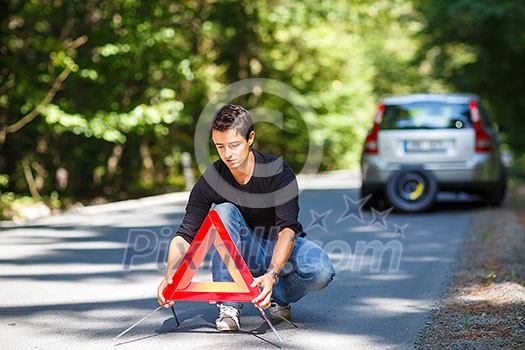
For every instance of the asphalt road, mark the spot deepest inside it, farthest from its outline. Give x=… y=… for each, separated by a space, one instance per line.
x=75 y=281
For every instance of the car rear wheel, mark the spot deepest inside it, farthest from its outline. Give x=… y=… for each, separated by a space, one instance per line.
x=411 y=190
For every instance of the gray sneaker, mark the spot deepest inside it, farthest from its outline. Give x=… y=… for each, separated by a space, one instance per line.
x=229 y=318
x=279 y=312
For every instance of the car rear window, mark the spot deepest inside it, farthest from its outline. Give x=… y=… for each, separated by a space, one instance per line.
x=426 y=115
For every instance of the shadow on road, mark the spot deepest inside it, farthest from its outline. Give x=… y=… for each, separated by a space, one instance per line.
x=362 y=302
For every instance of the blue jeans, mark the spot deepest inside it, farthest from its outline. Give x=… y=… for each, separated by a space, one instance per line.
x=308 y=269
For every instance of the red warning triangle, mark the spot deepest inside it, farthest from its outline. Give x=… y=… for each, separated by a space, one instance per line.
x=214 y=232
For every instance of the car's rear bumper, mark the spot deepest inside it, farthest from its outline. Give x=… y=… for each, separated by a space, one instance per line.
x=481 y=170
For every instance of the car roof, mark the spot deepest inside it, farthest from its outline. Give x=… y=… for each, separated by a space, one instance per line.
x=447 y=98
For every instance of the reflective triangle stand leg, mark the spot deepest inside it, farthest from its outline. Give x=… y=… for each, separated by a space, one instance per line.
x=269 y=323
x=175 y=317
x=137 y=323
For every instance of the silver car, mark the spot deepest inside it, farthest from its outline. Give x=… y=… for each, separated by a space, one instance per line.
x=425 y=143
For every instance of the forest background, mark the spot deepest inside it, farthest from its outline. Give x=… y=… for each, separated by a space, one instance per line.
x=99 y=99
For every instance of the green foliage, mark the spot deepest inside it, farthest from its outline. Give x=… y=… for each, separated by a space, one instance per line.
x=101 y=98
x=113 y=126
x=479 y=46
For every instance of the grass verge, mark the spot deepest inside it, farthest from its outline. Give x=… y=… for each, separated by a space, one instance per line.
x=484 y=308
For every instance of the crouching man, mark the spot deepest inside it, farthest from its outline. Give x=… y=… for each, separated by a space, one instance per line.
x=256 y=196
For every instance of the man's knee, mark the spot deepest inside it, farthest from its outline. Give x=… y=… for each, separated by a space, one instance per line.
x=323 y=278
x=317 y=264
x=232 y=218
x=226 y=211
x=324 y=274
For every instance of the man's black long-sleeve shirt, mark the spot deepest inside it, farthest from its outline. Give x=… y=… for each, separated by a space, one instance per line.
x=268 y=202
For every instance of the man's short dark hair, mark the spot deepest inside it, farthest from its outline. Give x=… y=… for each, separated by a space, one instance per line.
x=233 y=117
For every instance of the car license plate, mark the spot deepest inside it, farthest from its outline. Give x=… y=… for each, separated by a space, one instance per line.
x=427 y=146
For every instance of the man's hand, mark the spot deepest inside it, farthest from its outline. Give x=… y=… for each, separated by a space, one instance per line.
x=163 y=284
x=266 y=281
x=281 y=254
x=178 y=248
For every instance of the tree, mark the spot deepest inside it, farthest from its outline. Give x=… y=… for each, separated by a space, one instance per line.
x=479 y=46
x=101 y=98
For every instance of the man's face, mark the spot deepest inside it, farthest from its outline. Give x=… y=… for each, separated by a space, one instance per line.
x=233 y=148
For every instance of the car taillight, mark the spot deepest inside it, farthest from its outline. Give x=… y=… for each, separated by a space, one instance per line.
x=483 y=142
x=371 y=146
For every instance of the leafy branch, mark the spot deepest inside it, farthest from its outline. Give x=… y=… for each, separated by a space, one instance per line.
x=49 y=96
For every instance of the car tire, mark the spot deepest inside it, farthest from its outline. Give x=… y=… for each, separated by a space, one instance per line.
x=496 y=195
x=411 y=190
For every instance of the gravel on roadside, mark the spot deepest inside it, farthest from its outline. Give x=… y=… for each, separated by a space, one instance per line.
x=484 y=307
